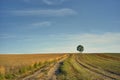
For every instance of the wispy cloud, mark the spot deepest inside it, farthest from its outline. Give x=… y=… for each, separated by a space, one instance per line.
x=53 y=2
x=96 y=38
x=107 y=42
x=26 y=0
x=44 y=12
x=41 y=24
x=48 y=2
x=46 y=23
x=36 y=25
x=7 y=36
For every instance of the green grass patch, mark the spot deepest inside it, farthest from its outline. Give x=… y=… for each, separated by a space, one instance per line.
x=72 y=70
x=2 y=77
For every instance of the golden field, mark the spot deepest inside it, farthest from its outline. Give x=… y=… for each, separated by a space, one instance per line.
x=14 y=65
x=73 y=66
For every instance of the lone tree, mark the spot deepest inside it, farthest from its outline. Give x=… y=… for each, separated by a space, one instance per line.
x=80 y=48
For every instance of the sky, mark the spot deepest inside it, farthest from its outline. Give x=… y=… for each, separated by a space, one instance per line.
x=56 y=26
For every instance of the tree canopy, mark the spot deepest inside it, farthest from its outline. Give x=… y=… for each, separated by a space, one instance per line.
x=80 y=48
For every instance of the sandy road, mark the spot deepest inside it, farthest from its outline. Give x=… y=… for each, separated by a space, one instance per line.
x=51 y=74
x=33 y=76
x=54 y=70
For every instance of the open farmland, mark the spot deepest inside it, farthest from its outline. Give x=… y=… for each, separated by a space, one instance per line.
x=91 y=67
x=60 y=67
x=14 y=66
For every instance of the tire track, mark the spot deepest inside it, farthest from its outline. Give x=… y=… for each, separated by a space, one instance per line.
x=45 y=73
x=108 y=57
x=53 y=71
x=74 y=70
x=98 y=68
x=33 y=76
x=105 y=70
x=90 y=68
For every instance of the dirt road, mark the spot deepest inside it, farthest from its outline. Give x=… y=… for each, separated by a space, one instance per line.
x=51 y=72
x=54 y=70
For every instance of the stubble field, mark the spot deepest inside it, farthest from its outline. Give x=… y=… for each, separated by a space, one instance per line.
x=60 y=66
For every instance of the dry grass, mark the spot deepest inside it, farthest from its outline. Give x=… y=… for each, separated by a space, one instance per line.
x=2 y=70
x=12 y=63
x=25 y=59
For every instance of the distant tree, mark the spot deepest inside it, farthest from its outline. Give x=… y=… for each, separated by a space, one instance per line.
x=80 y=48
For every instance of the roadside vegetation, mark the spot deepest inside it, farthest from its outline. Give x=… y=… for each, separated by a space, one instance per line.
x=12 y=68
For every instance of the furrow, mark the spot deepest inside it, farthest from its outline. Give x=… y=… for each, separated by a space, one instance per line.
x=90 y=68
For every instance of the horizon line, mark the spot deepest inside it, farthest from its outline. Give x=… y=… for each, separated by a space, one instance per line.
x=62 y=53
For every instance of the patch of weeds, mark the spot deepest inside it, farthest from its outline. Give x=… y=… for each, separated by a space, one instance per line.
x=35 y=65
x=9 y=76
x=2 y=77
x=22 y=70
x=64 y=71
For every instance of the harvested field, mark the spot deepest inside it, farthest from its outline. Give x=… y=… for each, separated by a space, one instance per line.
x=60 y=67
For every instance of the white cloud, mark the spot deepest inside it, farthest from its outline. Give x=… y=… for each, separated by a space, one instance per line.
x=96 y=38
x=47 y=12
x=6 y=36
x=47 y=2
x=41 y=24
x=26 y=0
x=107 y=42
x=53 y=2
x=36 y=25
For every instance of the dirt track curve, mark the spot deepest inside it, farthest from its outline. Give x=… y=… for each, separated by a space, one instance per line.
x=51 y=74
x=105 y=74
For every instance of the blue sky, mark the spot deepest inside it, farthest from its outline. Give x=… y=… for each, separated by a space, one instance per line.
x=43 y=26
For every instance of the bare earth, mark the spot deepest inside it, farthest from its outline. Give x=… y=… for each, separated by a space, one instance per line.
x=51 y=74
